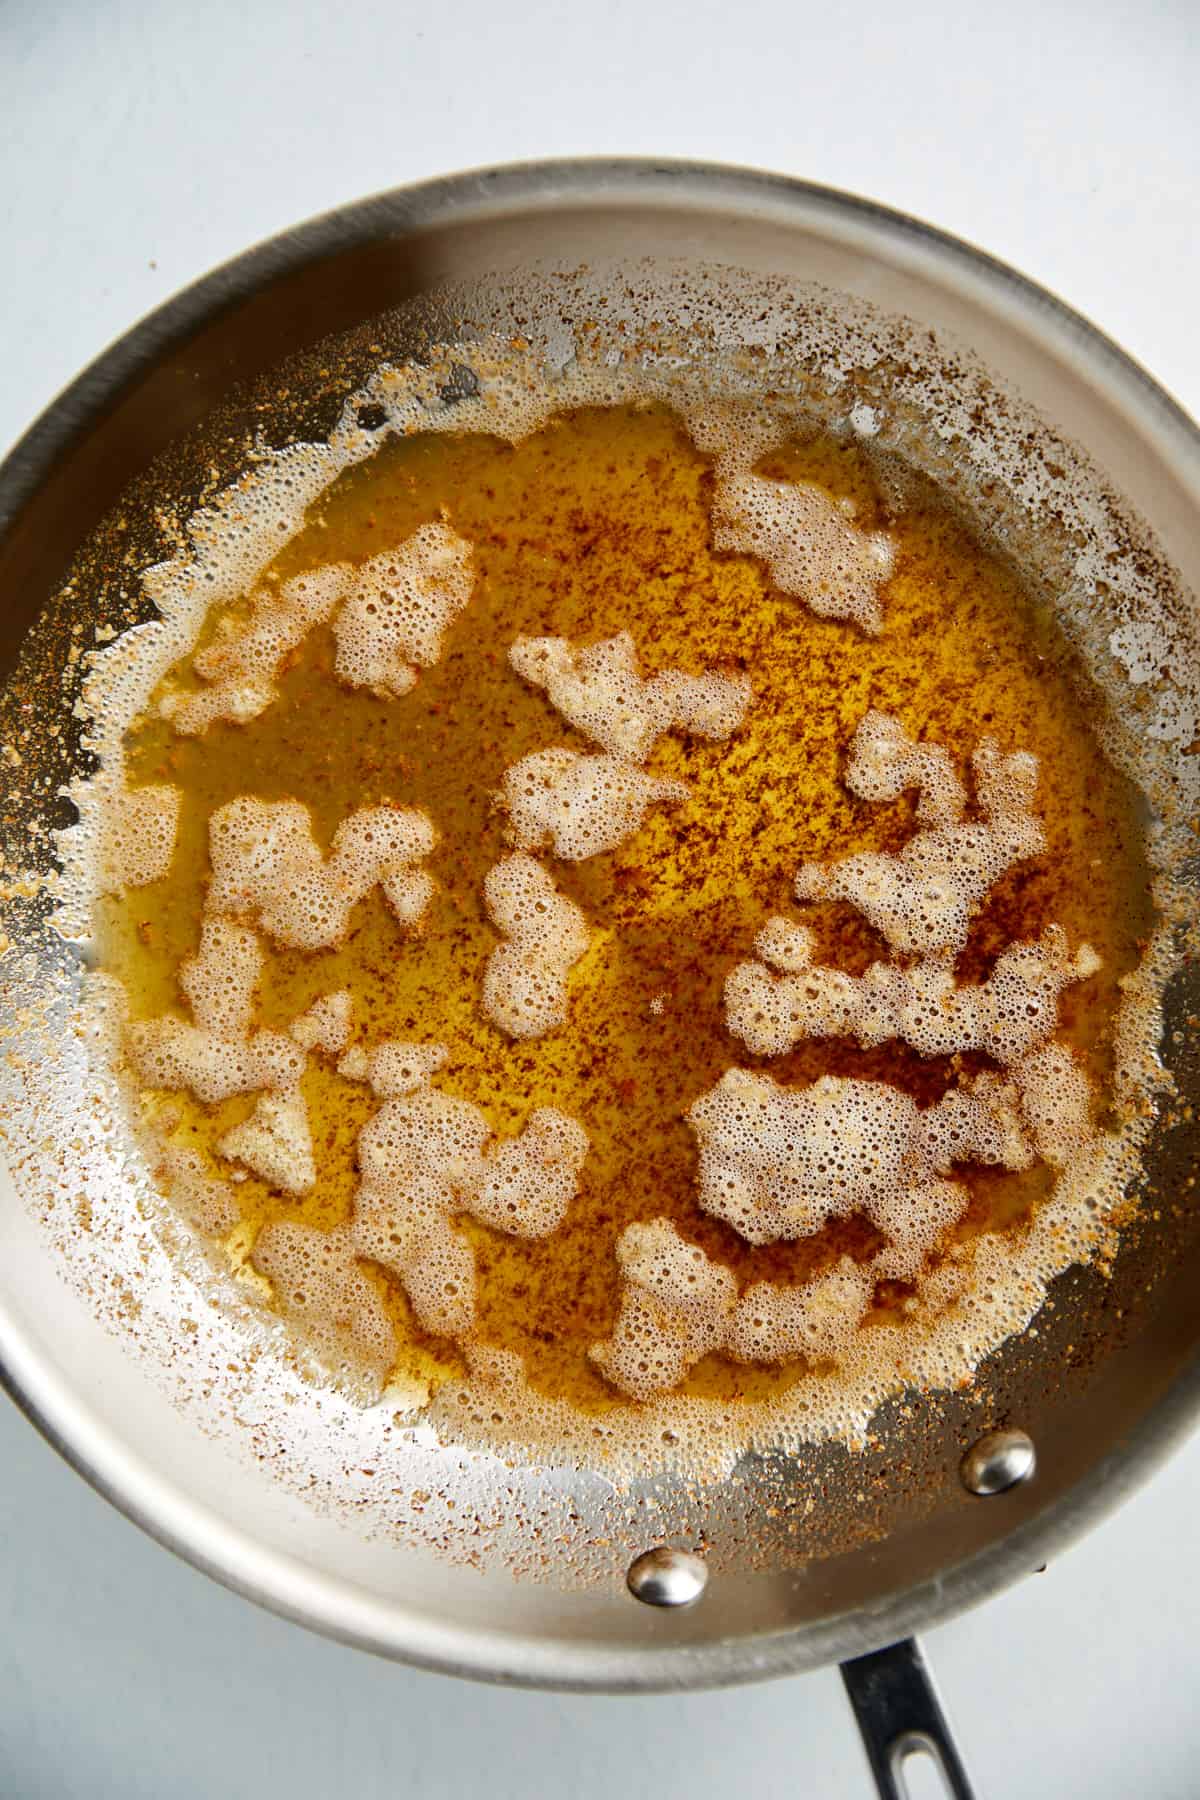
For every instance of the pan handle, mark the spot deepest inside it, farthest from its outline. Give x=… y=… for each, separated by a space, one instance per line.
x=899 y=1713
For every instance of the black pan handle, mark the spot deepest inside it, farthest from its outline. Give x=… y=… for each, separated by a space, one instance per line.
x=899 y=1713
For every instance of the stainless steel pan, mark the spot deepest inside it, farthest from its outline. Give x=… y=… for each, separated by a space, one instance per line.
x=809 y=1559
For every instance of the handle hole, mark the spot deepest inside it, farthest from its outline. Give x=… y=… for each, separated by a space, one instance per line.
x=918 y=1770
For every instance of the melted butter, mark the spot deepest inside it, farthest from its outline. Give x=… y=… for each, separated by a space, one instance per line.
x=598 y=524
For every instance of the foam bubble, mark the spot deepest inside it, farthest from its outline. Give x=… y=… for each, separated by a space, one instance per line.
x=922 y=899
x=398 y=608
x=818 y=1320
x=275 y=1142
x=267 y=864
x=242 y=663
x=678 y=1306
x=675 y=1308
x=1040 y=1102
x=427 y=1156
x=317 y=1278
x=885 y=761
x=326 y=1024
x=736 y=432
x=600 y=690
x=394 y=611
x=204 y=1198
x=809 y=544
x=529 y=1180
x=141 y=827
x=785 y=945
x=1056 y=1098
x=218 y=1055
x=404 y=1224
x=581 y=805
x=778 y=1163
x=981 y=1121
x=393 y=1067
x=1015 y=1008
x=525 y=982
x=220 y=981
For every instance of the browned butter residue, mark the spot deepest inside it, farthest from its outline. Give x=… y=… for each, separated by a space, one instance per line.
x=597 y=524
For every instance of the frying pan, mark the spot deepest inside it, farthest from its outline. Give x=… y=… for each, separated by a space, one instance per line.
x=368 y=1529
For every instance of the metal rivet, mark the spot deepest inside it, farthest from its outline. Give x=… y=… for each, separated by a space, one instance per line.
x=1000 y=1460
x=666 y=1577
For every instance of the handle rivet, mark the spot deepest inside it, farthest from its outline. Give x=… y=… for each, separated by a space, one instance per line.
x=667 y=1577
x=998 y=1461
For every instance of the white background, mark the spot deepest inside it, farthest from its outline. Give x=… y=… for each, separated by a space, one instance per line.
x=141 y=145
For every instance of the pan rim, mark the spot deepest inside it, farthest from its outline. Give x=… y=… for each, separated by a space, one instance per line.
x=192 y=1531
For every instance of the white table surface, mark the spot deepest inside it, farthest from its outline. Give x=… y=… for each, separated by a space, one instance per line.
x=139 y=145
